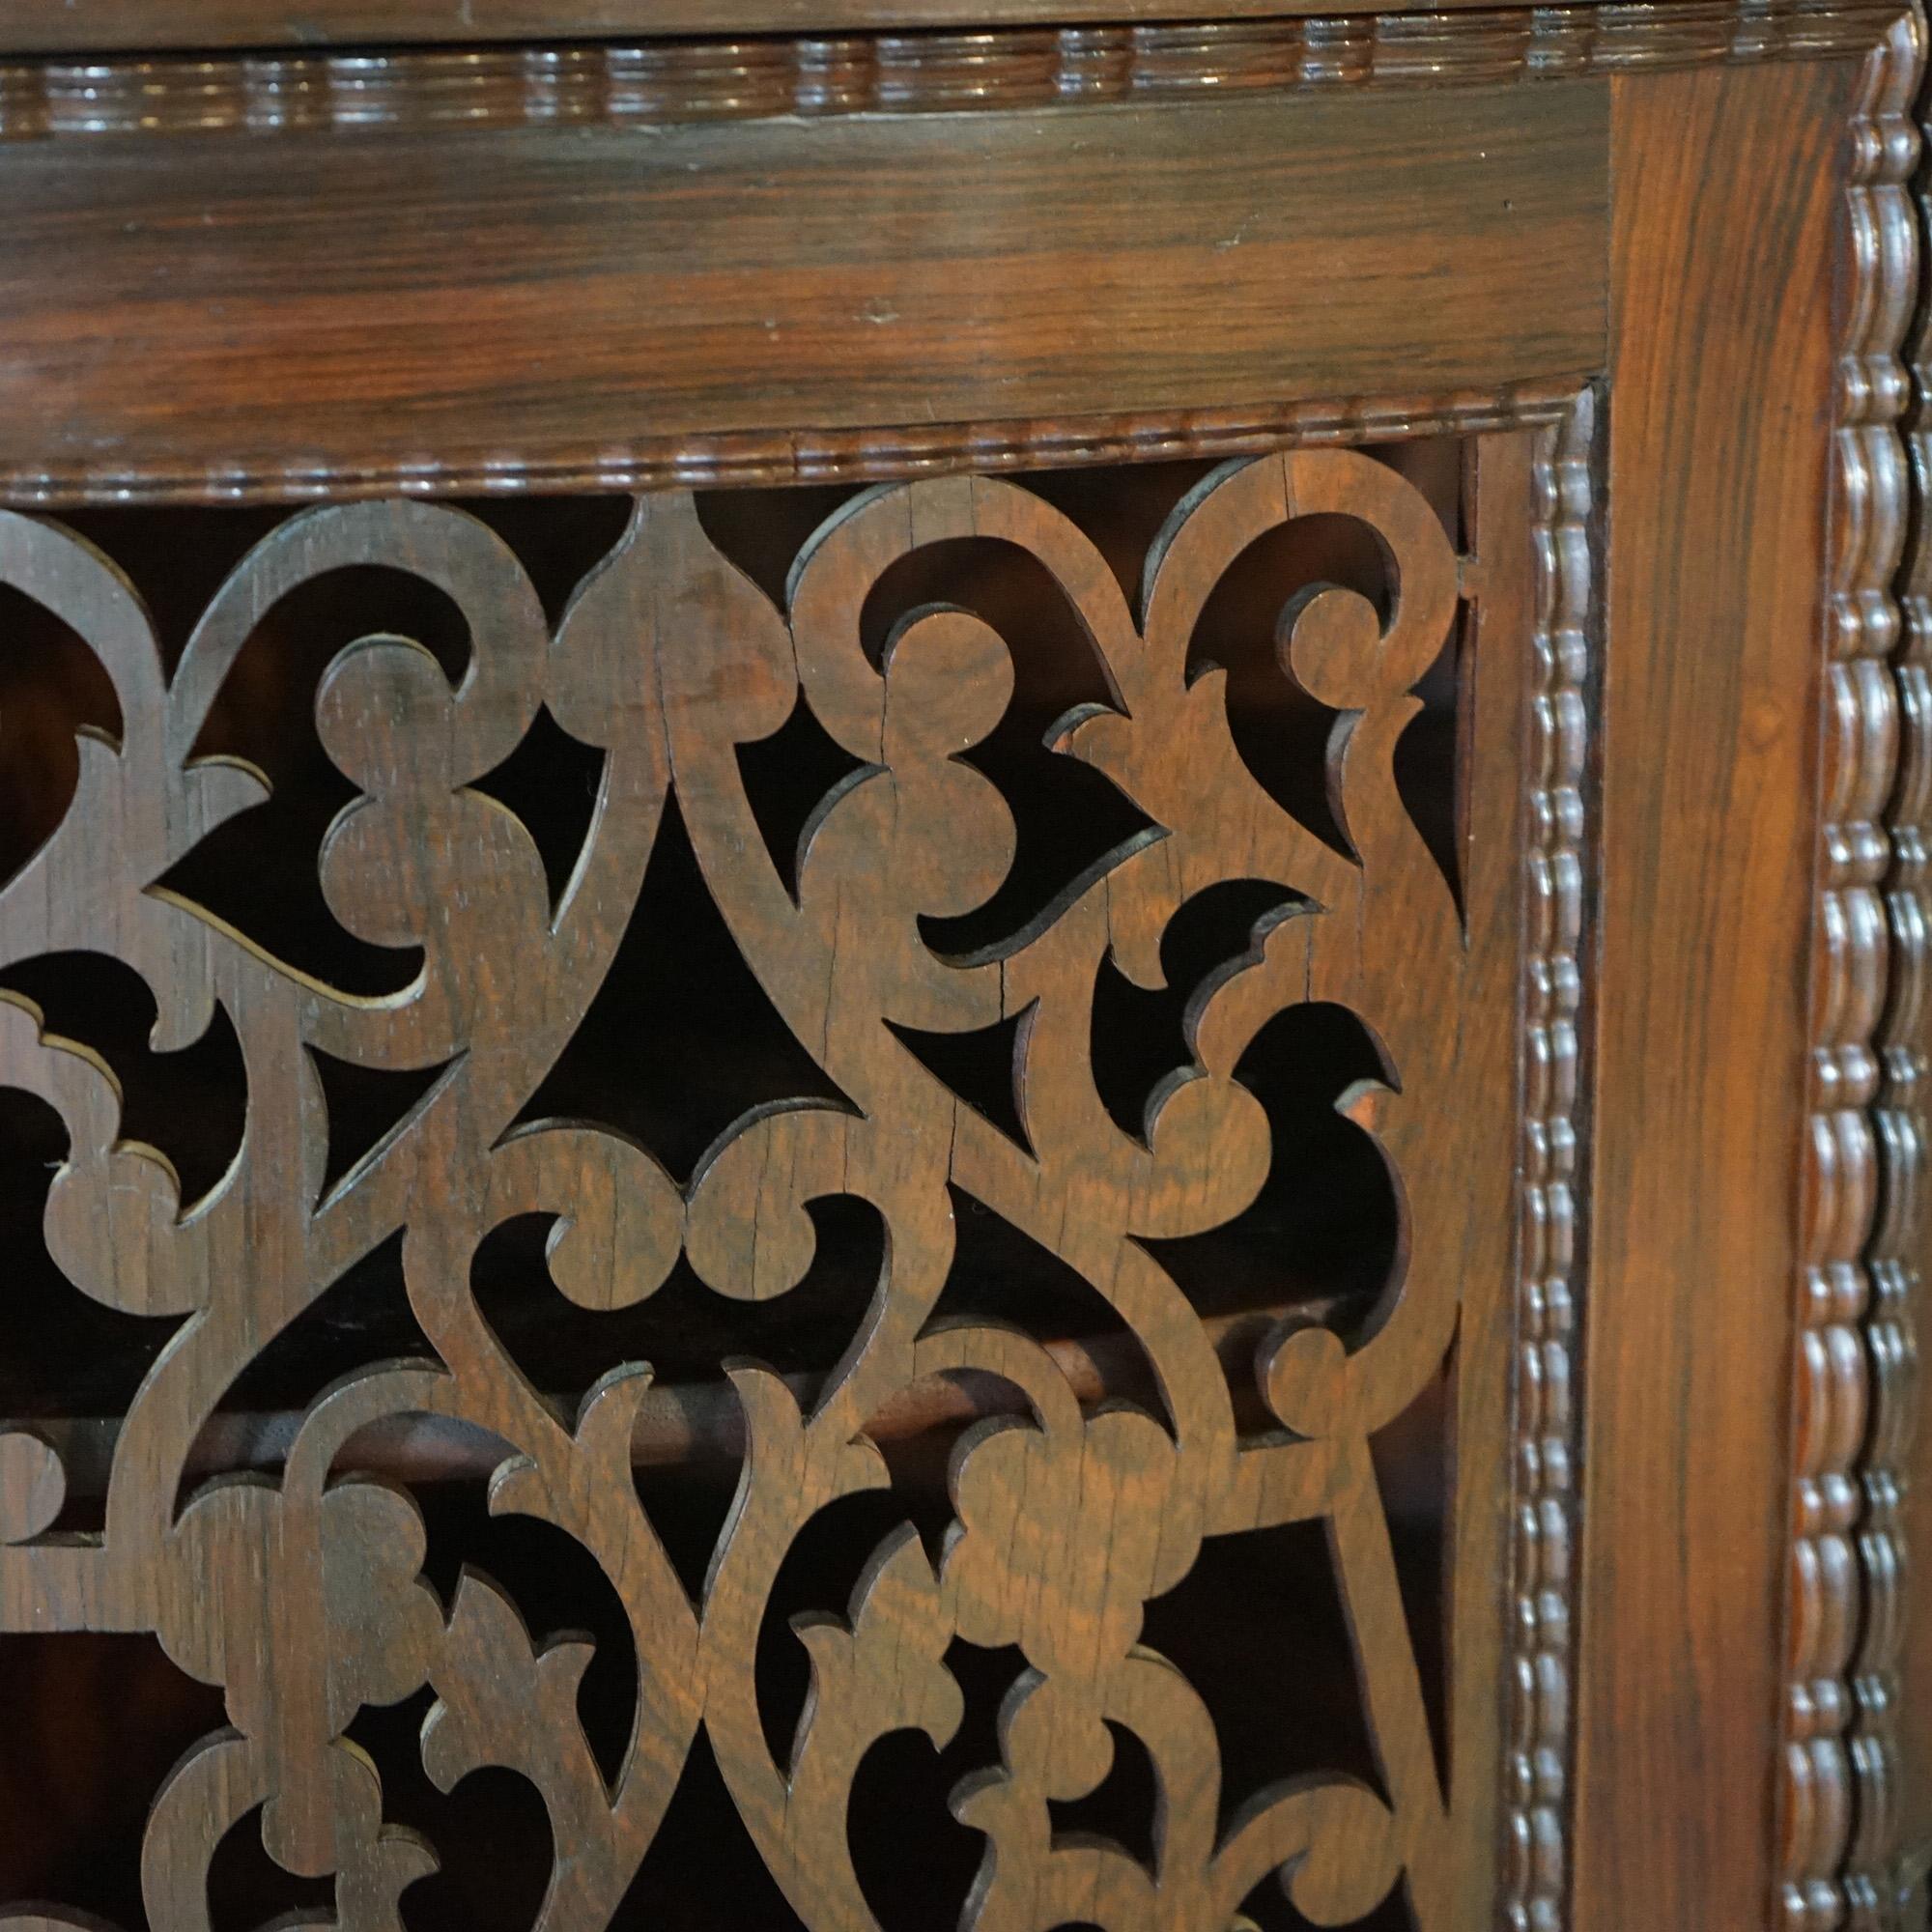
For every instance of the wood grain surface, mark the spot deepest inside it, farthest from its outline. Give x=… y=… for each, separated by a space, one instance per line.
x=645 y=82
x=254 y=258
x=1722 y=354
x=415 y=303
x=1908 y=1075
x=1559 y=988
x=1854 y=1376
x=46 y=26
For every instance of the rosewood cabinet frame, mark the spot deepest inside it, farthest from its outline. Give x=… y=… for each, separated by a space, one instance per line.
x=1661 y=267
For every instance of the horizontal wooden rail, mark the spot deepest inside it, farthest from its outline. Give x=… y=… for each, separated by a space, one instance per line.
x=679 y=1424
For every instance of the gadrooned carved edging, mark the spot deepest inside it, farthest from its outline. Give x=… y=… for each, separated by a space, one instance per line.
x=682 y=80
x=758 y=458
x=1837 y=1842
x=1885 y=1875
x=1537 y=1767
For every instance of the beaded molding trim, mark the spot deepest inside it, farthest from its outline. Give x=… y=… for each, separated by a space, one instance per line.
x=690 y=80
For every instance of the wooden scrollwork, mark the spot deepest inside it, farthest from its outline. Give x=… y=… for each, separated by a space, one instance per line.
x=298 y=1590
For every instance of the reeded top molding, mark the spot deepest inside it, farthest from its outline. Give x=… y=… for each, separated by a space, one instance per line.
x=99 y=26
x=69 y=27
x=618 y=83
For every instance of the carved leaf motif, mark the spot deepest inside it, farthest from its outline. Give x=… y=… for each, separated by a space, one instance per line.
x=501 y=1700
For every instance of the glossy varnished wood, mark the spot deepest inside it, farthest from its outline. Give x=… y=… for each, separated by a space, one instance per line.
x=1907 y=1063
x=1854 y=1376
x=586 y=291
x=1558 y=974
x=28 y=26
x=1654 y=262
x=644 y=83
x=1721 y=365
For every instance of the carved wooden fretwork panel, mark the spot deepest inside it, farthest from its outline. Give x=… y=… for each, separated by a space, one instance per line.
x=911 y=1123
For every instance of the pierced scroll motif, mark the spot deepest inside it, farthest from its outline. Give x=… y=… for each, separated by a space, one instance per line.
x=410 y=1129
